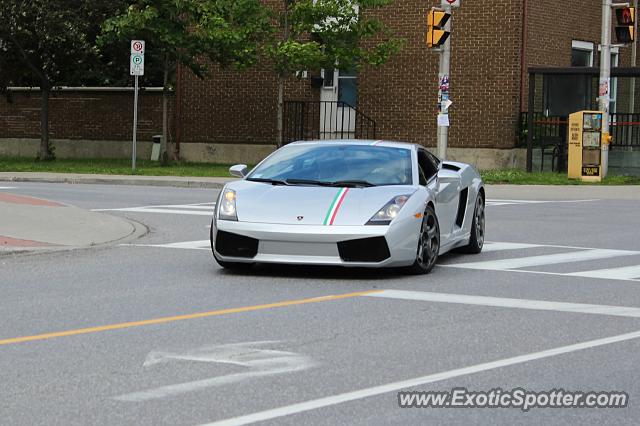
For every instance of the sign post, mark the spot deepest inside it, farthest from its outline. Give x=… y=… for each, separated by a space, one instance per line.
x=136 y=68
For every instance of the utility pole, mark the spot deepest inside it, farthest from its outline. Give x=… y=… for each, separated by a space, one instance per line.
x=634 y=61
x=443 y=89
x=605 y=80
x=438 y=32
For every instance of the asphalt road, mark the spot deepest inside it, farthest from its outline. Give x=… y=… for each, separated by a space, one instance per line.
x=155 y=333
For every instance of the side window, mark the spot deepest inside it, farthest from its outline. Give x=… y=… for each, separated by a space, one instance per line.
x=435 y=160
x=427 y=167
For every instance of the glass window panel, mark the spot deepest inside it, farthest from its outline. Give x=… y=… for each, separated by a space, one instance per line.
x=348 y=91
x=581 y=58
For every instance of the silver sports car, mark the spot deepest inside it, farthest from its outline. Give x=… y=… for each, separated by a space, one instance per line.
x=349 y=203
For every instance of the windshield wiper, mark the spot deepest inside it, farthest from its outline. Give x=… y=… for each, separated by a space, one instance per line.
x=308 y=182
x=271 y=181
x=353 y=184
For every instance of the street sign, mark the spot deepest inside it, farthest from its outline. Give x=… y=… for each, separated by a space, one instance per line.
x=137 y=46
x=136 y=66
x=451 y=3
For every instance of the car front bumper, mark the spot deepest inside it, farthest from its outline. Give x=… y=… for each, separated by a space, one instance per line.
x=354 y=246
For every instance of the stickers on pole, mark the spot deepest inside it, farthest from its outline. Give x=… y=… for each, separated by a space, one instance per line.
x=136 y=66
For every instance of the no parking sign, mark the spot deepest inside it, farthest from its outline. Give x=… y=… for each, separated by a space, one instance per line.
x=136 y=66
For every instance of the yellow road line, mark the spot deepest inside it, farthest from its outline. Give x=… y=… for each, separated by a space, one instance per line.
x=183 y=317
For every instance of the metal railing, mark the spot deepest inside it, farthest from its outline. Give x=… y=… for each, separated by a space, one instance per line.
x=625 y=129
x=317 y=120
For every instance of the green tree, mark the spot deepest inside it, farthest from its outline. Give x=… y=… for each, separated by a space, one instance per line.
x=189 y=32
x=316 y=34
x=49 y=43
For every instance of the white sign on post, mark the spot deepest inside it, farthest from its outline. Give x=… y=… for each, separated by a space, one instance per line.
x=136 y=68
x=451 y=3
x=137 y=58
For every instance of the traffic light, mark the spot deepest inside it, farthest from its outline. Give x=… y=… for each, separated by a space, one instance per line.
x=625 y=31
x=436 y=34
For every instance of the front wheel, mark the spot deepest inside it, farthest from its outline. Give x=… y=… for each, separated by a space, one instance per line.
x=428 y=244
x=476 y=241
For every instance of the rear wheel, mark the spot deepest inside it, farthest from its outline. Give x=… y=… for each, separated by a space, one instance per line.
x=428 y=244
x=476 y=241
x=238 y=266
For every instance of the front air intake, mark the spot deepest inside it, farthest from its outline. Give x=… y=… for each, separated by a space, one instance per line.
x=371 y=250
x=234 y=245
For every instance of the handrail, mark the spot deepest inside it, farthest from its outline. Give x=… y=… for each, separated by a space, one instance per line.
x=309 y=120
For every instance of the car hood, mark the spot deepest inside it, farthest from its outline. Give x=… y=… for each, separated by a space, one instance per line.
x=311 y=205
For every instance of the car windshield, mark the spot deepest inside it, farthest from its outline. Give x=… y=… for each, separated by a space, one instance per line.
x=342 y=165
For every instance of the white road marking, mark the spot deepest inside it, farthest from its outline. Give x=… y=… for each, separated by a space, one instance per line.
x=201 y=209
x=491 y=247
x=164 y=211
x=418 y=381
x=187 y=245
x=8 y=187
x=623 y=273
x=260 y=362
x=539 y=305
x=547 y=259
x=498 y=202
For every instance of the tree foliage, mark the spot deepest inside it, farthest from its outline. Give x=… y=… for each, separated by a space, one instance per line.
x=331 y=33
x=227 y=32
x=53 y=41
x=50 y=43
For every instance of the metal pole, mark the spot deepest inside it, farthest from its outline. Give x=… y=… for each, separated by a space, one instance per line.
x=632 y=83
x=135 y=126
x=605 y=78
x=634 y=60
x=445 y=68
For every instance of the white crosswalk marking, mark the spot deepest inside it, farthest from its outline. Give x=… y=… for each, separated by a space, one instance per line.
x=491 y=247
x=542 y=305
x=499 y=202
x=623 y=273
x=202 y=209
x=518 y=264
x=547 y=259
x=7 y=187
x=188 y=245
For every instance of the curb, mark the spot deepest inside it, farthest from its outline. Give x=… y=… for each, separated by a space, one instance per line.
x=139 y=230
x=190 y=183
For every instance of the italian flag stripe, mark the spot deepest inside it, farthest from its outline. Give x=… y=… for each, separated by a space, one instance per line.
x=335 y=206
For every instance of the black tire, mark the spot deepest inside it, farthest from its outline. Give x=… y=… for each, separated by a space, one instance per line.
x=428 y=244
x=237 y=266
x=476 y=241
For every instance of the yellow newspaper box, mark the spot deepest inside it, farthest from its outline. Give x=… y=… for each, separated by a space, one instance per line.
x=586 y=143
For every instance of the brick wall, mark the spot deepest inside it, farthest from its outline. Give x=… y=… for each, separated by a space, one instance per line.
x=240 y=107
x=83 y=115
x=402 y=95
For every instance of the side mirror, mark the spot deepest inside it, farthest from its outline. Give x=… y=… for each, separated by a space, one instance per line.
x=239 y=170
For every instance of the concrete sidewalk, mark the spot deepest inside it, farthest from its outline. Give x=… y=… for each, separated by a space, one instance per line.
x=33 y=224
x=532 y=192
x=174 y=181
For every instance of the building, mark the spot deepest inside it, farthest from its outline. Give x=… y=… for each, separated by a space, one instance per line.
x=231 y=116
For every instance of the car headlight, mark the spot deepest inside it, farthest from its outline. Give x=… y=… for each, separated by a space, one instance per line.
x=227 y=208
x=390 y=211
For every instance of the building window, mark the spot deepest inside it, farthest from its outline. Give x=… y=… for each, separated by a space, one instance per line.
x=582 y=54
x=615 y=59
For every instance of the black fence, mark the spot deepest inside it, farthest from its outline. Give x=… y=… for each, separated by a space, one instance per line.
x=625 y=129
x=550 y=135
x=317 y=120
